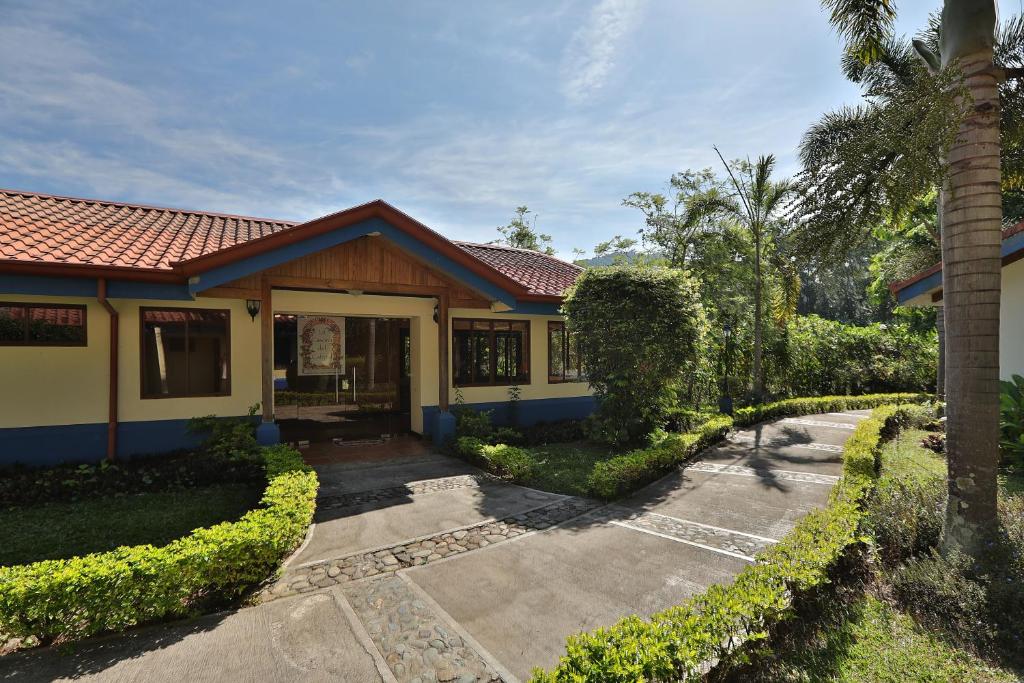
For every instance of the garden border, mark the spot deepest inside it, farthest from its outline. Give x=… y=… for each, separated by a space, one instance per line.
x=67 y=599
x=689 y=639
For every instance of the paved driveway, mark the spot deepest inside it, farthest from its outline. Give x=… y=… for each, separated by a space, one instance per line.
x=425 y=569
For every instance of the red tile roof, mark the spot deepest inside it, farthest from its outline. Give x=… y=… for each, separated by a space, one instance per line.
x=540 y=273
x=50 y=230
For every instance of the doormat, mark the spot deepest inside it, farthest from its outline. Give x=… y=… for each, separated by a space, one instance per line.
x=338 y=441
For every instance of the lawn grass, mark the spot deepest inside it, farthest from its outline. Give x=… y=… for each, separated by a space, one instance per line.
x=904 y=456
x=60 y=530
x=565 y=467
x=869 y=641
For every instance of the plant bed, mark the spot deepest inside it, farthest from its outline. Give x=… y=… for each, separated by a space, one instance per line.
x=66 y=599
x=53 y=531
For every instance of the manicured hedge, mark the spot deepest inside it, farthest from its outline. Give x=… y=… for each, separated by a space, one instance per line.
x=744 y=417
x=72 y=598
x=683 y=641
x=626 y=473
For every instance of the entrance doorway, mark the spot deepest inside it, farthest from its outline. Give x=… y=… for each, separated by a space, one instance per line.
x=341 y=378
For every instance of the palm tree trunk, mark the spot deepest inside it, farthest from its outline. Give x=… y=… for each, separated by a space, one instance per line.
x=758 y=333
x=940 y=370
x=971 y=239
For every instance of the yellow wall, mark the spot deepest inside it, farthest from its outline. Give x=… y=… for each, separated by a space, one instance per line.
x=53 y=385
x=68 y=385
x=1011 y=321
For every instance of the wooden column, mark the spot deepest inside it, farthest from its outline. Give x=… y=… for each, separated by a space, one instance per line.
x=442 y=346
x=267 y=349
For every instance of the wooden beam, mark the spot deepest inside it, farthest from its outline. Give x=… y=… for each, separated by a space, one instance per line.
x=442 y=345
x=267 y=349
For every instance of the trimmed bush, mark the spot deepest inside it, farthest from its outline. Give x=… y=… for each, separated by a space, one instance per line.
x=744 y=417
x=722 y=622
x=618 y=476
x=61 y=600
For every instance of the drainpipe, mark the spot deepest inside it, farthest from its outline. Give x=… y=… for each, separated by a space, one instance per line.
x=101 y=296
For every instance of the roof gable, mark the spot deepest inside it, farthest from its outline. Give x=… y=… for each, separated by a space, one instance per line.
x=49 y=234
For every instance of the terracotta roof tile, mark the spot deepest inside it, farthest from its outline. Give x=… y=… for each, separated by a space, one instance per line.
x=541 y=273
x=40 y=228
x=52 y=229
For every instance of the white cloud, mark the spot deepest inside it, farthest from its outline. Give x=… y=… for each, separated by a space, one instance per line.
x=590 y=56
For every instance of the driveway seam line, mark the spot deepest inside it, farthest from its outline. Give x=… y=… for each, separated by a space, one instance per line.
x=442 y=613
x=712 y=526
x=627 y=525
x=744 y=471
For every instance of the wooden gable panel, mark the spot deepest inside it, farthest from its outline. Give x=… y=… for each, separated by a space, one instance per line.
x=368 y=263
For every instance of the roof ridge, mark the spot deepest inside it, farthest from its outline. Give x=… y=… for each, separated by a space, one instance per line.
x=147 y=207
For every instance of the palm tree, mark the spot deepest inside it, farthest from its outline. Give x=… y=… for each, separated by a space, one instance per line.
x=759 y=209
x=971 y=219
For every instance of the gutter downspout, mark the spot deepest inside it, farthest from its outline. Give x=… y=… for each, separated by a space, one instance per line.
x=101 y=296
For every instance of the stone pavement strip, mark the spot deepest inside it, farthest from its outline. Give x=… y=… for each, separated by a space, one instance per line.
x=326 y=573
x=418 y=645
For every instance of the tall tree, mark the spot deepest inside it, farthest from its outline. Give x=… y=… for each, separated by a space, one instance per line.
x=522 y=234
x=694 y=203
x=758 y=208
x=970 y=219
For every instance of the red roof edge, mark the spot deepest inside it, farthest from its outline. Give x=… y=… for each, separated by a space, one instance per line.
x=59 y=269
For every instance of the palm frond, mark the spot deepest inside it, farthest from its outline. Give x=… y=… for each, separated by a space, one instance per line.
x=863 y=24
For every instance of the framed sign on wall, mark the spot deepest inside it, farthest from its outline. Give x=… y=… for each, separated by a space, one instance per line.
x=321 y=345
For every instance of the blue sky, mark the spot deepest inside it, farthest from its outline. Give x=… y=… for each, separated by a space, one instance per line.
x=456 y=112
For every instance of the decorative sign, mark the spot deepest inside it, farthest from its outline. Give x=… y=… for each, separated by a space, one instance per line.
x=321 y=345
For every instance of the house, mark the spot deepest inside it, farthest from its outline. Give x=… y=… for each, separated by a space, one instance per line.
x=925 y=289
x=119 y=322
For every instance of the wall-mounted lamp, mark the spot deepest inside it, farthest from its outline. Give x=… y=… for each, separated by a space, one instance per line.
x=436 y=313
x=253 y=307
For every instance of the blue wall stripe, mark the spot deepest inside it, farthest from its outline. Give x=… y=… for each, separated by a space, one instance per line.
x=43 y=446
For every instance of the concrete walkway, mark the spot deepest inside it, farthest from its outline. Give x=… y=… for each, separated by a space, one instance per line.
x=425 y=569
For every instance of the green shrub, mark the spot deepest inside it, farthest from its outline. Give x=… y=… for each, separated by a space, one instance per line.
x=68 y=599
x=639 y=331
x=506 y=435
x=230 y=438
x=677 y=643
x=823 y=357
x=509 y=461
x=470 y=422
x=941 y=592
x=623 y=474
x=22 y=485
x=905 y=516
x=1011 y=418
x=562 y=431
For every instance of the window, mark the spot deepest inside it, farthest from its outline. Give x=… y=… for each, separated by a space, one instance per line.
x=42 y=325
x=185 y=352
x=563 y=355
x=490 y=352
